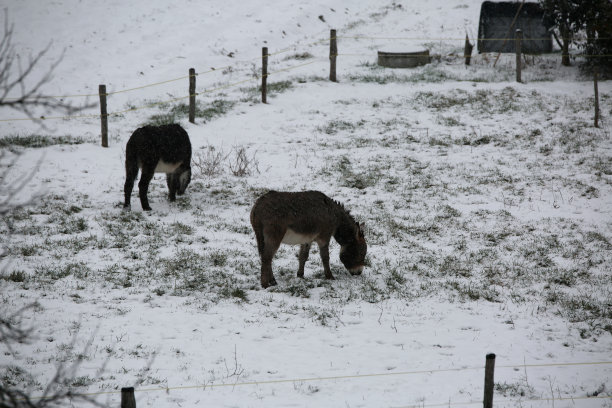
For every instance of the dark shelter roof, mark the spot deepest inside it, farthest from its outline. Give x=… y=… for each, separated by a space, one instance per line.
x=495 y=26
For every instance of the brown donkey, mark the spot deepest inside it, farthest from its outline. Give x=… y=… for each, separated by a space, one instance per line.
x=299 y=219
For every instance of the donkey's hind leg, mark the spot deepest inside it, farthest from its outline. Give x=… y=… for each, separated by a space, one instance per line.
x=271 y=241
x=303 y=257
x=143 y=186
x=131 y=172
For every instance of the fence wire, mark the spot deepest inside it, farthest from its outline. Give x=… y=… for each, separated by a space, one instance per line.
x=372 y=375
x=158 y=103
x=282 y=51
x=279 y=52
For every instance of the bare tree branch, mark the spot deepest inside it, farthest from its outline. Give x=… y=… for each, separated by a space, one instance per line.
x=18 y=89
x=58 y=391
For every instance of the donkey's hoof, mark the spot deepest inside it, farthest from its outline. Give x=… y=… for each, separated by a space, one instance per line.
x=271 y=282
x=147 y=209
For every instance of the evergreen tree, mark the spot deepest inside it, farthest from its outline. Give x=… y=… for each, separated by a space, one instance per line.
x=584 y=23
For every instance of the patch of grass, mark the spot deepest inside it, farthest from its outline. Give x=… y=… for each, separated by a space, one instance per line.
x=14 y=376
x=125 y=228
x=184 y=261
x=449 y=121
x=481 y=103
x=296 y=287
x=160 y=119
x=236 y=293
x=299 y=56
x=356 y=179
x=29 y=250
x=206 y=111
x=17 y=276
x=38 y=141
x=582 y=307
x=378 y=78
x=175 y=113
x=335 y=126
x=370 y=291
x=82 y=381
x=452 y=266
x=514 y=390
x=432 y=73
x=55 y=272
x=274 y=88
x=253 y=94
x=218 y=258
x=75 y=244
x=72 y=225
x=180 y=228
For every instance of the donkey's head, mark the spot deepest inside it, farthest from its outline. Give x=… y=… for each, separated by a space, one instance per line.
x=352 y=255
x=183 y=181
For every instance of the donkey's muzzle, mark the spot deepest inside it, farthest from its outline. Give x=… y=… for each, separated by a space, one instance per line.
x=356 y=271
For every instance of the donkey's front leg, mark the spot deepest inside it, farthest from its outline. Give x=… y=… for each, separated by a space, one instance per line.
x=303 y=257
x=324 y=250
x=171 y=181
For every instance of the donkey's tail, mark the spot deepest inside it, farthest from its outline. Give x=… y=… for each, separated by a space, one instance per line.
x=131 y=158
x=259 y=235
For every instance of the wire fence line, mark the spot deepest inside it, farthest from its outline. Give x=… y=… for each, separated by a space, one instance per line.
x=330 y=40
x=511 y=402
x=320 y=41
x=215 y=69
x=374 y=375
x=362 y=37
x=166 y=101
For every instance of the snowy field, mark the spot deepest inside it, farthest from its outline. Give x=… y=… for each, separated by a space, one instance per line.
x=487 y=205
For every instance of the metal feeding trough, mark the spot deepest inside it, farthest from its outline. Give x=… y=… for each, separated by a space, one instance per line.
x=405 y=58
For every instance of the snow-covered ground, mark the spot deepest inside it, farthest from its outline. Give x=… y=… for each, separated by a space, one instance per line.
x=487 y=206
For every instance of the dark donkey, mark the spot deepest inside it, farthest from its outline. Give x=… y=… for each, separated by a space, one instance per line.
x=157 y=149
x=299 y=219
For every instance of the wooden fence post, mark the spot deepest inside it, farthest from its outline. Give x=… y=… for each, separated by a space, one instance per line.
x=596 y=98
x=127 y=398
x=518 y=46
x=333 y=53
x=488 y=381
x=192 y=94
x=103 y=115
x=467 y=52
x=264 y=74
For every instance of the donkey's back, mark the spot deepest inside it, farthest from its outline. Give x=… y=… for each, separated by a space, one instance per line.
x=297 y=213
x=168 y=143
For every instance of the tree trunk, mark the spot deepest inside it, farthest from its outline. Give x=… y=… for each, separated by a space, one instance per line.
x=565 y=34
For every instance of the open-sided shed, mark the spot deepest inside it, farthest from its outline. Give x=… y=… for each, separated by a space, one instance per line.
x=500 y=20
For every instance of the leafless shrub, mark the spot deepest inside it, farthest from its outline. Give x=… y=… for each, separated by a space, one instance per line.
x=12 y=329
x=58 y=391
x=241 y=165
x=209 y=163
x=11 y=185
